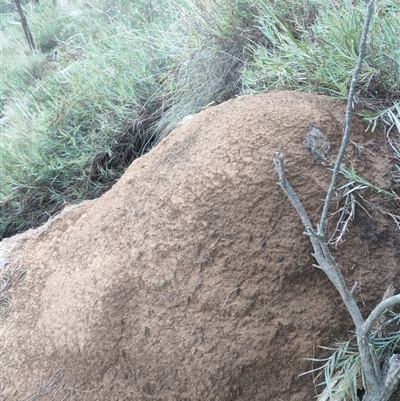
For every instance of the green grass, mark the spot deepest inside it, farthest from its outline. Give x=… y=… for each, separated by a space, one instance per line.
x=340 y=374
x=110 y=79
x=116 y=82
x=318 y=52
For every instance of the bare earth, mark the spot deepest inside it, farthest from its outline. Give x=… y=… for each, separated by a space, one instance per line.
x=191 y=279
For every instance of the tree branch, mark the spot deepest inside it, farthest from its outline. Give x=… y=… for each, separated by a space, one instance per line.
x=392 y=376
x=25 y=27
x=378 y=311
x=379 y=384
x=291 y=194
x=325 y=260
x=347 y=120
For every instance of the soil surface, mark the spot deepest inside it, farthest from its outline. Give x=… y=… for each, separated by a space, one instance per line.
x=191 y=278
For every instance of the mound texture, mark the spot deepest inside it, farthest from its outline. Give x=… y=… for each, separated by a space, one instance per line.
x=191 y=278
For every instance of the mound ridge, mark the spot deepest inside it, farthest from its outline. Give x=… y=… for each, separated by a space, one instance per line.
x=191 y=279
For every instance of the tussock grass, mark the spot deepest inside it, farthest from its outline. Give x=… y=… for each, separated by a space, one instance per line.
x=109 y=85
x=312 y=46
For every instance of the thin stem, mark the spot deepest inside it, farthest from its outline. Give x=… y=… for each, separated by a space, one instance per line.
x=291 y=194
x=321 y=251
x=347 y=121
x=378 y=384
x=378 y=311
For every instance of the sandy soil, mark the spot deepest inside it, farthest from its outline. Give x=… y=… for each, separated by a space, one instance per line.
x=191 y=279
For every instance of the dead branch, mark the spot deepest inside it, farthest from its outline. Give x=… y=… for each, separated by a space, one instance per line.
x=380 y=383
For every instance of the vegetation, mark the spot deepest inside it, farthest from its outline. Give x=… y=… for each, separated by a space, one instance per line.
x=110 y=79
x=342 y=373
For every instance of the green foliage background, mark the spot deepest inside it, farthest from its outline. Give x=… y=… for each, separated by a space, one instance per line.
x=112 y=78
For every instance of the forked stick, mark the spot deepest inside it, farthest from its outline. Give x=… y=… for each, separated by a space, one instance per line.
x=379 y=383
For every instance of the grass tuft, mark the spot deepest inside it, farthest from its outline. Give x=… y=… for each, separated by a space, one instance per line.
x=109 y=81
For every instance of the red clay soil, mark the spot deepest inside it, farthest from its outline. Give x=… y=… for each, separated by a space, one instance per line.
x=191 y=278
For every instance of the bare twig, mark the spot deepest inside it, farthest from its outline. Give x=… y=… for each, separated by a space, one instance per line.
x=380 y=384
x=380 y=310
x=347 y=119
x=229 y=295
x=324 y=258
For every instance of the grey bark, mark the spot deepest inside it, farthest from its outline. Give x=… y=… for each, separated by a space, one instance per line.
x=25 y=27
x=380 y=383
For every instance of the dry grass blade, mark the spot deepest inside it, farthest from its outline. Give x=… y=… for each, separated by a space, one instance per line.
x=347 y=213
x=48 y=387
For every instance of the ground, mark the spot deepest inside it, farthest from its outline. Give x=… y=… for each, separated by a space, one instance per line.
x=191 y=279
